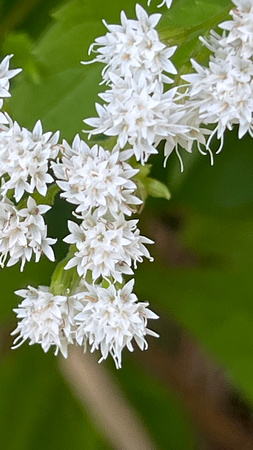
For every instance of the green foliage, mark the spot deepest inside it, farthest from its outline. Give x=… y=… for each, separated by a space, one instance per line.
x=66 y=91
x=37 y=411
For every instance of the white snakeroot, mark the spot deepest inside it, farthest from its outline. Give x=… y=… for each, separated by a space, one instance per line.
x=96 y=179
x=23 y=233
x=111 y=319
x=133 y=49
x=133 y=115
x=45 y=319
x=142 y=116
x=24 y=158
x=222 y=93
x=240 y=28
x=106 y=248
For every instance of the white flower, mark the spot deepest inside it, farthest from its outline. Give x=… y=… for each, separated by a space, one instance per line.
x=110 y=319
x=5 y=75
x=138 y=114
x=24 y=158
x=143 y=116
x=134 y=49
x=241 y=28
x=106 y=248
x=222 y=93
x=23 y=233
x=96 y=179
x=167 y=2
x=44 y=319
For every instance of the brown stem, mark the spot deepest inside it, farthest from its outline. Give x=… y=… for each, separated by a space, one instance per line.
x=100 y=394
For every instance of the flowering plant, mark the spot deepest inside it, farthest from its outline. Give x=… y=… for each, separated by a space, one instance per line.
x=146 y=108
x=145 y=100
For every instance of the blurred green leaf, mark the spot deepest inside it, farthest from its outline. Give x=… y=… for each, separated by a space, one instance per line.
x=156 y=189
x=36 y=408
x=158 y=407
x=21 y=45
x=213 y=298
x=67 y=90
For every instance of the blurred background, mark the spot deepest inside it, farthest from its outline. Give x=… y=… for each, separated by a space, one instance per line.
x=193 y=388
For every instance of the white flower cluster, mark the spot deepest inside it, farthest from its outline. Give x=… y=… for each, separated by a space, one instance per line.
x=96 y=179
x=107 y=248
x=23 y=232
x=107 y=319
x=136 y=109
x=222 y=93
x=45 y=319
x=134 y=50
x=141 y=111
x=24 y=158
x=107 y=243
x=24 y=161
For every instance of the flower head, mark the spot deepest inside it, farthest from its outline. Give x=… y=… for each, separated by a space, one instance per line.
x=134 y=49
x=45 y=319
x=23 y=232
x=96 y=179
x=106 y=248
x=24 y=158
x=111 y=319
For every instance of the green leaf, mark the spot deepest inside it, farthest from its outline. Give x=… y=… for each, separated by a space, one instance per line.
x=144 y=171
x=34 y=398
x=21 y=45
x=156 y=189
x=213 y=297
x=171 y=428
x=63 y=281
x=67 y=91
